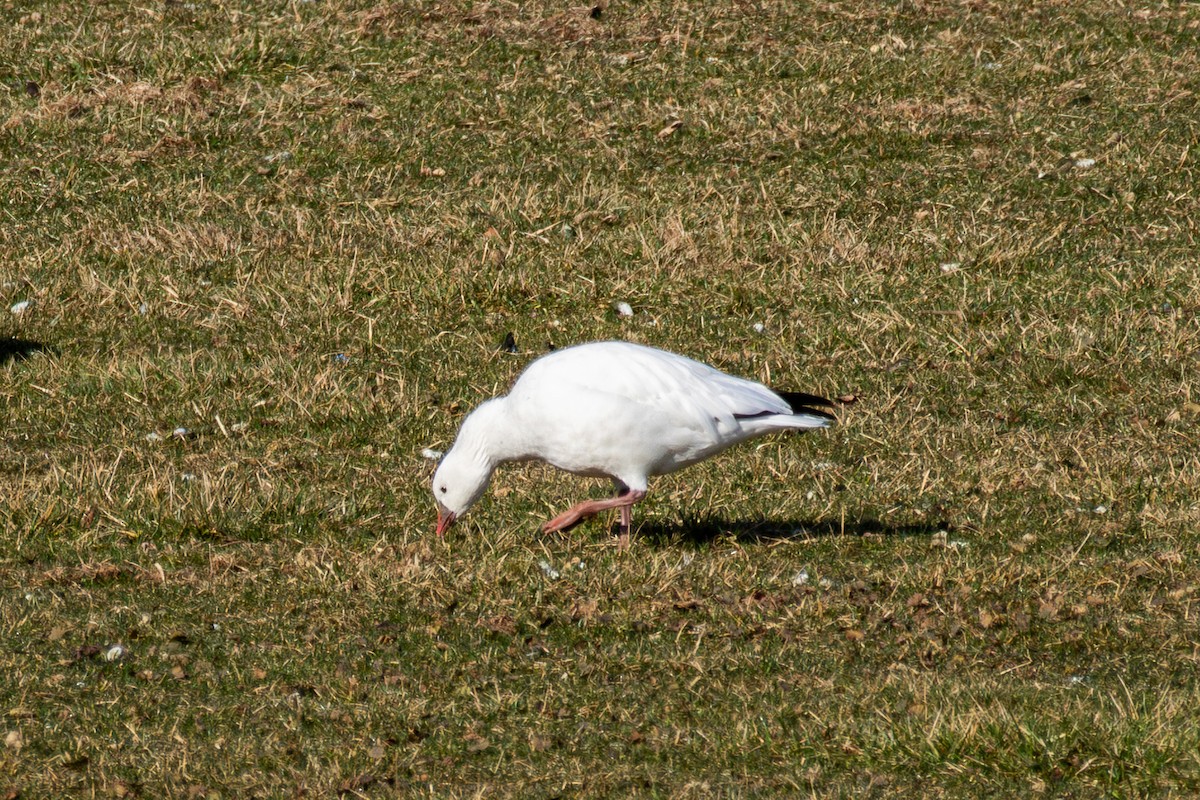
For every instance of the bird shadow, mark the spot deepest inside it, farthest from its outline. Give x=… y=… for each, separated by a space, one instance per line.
x=705 y=530
x=20 y=349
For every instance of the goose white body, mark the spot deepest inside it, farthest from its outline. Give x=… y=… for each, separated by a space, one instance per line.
x=616 y=410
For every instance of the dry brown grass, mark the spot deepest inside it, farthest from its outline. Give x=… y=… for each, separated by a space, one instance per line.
x=300 y=231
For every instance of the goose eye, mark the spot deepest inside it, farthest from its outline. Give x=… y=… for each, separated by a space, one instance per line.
x=442 y=489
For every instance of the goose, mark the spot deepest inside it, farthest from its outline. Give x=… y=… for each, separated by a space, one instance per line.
x=613 y=410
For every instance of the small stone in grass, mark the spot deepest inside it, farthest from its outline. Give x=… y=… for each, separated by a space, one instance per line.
x=800 y=578
x=180 y=432
x=114 y=652
x=548 y=570
x=759 y=327
x=623 y=309
x=951 y=266
x=19 y=308
x=431 y=454
x=1085 y=163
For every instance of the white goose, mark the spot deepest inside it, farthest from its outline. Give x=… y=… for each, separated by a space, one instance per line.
x=616 y=410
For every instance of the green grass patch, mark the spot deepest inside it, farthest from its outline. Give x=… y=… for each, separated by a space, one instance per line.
x=255 y=258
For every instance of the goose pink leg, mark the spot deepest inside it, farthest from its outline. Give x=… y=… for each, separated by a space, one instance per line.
x=590 y=508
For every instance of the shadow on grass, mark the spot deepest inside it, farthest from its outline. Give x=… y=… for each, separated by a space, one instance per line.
x=709 y=529
x=20 y=349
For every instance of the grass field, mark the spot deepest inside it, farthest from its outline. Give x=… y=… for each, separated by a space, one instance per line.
x=255 y=257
